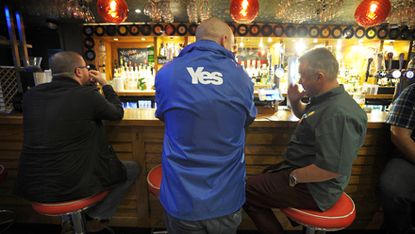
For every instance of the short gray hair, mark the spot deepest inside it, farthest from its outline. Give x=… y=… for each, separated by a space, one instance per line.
x=65 y=62
x=321 y=60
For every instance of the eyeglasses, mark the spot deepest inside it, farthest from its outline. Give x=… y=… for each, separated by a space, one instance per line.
x=86 y=66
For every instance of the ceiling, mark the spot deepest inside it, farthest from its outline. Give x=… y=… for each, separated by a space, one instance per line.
x=274 y=11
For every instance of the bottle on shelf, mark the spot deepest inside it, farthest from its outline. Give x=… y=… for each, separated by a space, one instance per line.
x=162 y=51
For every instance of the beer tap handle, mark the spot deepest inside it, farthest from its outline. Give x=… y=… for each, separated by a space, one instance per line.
x=379 y=60
x=369 y=61
x=390 y=56
x=401 y=60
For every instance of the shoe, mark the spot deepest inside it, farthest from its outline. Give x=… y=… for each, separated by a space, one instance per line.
x=96 y=225
x=67 y=228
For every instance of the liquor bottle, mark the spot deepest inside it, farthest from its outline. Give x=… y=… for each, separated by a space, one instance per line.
x=162 y=51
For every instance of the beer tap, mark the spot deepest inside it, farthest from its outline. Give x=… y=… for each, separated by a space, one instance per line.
x=369 y=61
x=389 y=60
x=380 y=69
x=397 y=73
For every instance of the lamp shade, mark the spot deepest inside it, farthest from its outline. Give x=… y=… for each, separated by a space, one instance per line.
x=244 y=11
x=113 y=11
x=372 y=12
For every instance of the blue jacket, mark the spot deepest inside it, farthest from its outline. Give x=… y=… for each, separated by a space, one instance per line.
x=205 y=99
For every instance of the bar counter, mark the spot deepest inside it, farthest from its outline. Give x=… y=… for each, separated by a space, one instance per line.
x=139 y=137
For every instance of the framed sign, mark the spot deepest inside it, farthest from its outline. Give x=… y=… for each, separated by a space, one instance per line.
x=135 y=55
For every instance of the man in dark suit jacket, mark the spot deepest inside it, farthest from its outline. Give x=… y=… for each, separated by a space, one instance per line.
x=65 y=153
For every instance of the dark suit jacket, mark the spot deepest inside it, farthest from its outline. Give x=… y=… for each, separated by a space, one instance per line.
x=64 y=140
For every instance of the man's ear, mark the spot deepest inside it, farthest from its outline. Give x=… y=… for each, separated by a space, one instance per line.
x=76 y=72
x=321 y=75
x=223 y=40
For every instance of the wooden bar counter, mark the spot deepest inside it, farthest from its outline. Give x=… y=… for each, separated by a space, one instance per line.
x=139 y=137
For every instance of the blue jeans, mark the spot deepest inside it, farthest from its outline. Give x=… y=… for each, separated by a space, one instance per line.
x=227 y=224
x=397 y=193
x=107 y=207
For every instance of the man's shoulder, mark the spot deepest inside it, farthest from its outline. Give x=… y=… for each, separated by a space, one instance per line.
x=346 y=109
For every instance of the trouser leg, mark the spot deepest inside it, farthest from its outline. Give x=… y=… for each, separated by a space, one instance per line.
x=107 y=207
x=227 y=224
x=177 y=226
x=397 y=193
x=271 y=190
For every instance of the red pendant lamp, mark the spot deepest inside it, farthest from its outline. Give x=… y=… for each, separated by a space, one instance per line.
x=244 y=11
x=113 y=11
x=372 y=12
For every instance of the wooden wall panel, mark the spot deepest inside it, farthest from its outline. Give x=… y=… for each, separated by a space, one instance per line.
x=143 y=144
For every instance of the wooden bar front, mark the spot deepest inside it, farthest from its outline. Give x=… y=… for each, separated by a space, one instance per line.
x=139 y=137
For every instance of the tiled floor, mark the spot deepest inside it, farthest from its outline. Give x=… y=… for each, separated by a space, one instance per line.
x=53 y=229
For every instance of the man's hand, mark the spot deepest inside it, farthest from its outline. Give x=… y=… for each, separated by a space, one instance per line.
x=312 y=173
x=294 y=93
x=95 y=76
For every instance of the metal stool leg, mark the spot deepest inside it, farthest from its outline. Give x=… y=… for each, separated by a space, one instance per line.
x=309 y=230
x=78 y=222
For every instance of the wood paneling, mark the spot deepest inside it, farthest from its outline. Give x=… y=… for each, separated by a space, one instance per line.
x=141 y=141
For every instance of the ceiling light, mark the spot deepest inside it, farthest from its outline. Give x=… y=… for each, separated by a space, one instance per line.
x=138 y=11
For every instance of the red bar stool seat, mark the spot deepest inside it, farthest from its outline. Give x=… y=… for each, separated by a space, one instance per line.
x=338 y=217
x=154 y=180
x=72 y=208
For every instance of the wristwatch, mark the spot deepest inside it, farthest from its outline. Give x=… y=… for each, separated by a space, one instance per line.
x=292 y=181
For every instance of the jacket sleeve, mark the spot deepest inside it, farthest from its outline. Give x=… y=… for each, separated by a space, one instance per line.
x=251 y=109
x=108 y=107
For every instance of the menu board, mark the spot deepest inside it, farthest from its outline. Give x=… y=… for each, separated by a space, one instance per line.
x=136 y=55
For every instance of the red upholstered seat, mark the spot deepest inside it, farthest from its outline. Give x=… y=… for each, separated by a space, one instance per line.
x=340 y=216
x=62 y=208
x=154 y=180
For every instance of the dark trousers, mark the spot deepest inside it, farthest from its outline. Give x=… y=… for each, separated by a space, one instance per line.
x=271 y=190
x=105 y=209
x=397 y=193
x=227 y=224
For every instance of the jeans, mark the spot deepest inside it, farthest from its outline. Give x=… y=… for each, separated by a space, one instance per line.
x=397 y=194
x=107 y=207
x=227 y=224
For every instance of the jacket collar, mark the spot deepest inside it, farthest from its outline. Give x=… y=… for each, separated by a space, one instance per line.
x=64 y=78
x=207 y=45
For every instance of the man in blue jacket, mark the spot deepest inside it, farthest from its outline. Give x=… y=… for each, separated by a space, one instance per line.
x=205 y=99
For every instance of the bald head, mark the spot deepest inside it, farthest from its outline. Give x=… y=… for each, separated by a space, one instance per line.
x=216 y=30
x=65 y=62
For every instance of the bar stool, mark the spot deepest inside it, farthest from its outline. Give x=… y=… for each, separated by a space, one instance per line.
x=73 y=208
x=7 y=217
x=338 y=217
x=154 y=181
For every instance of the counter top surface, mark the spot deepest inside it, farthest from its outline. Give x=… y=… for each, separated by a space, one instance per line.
x=145 y=117
x=149 y=93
